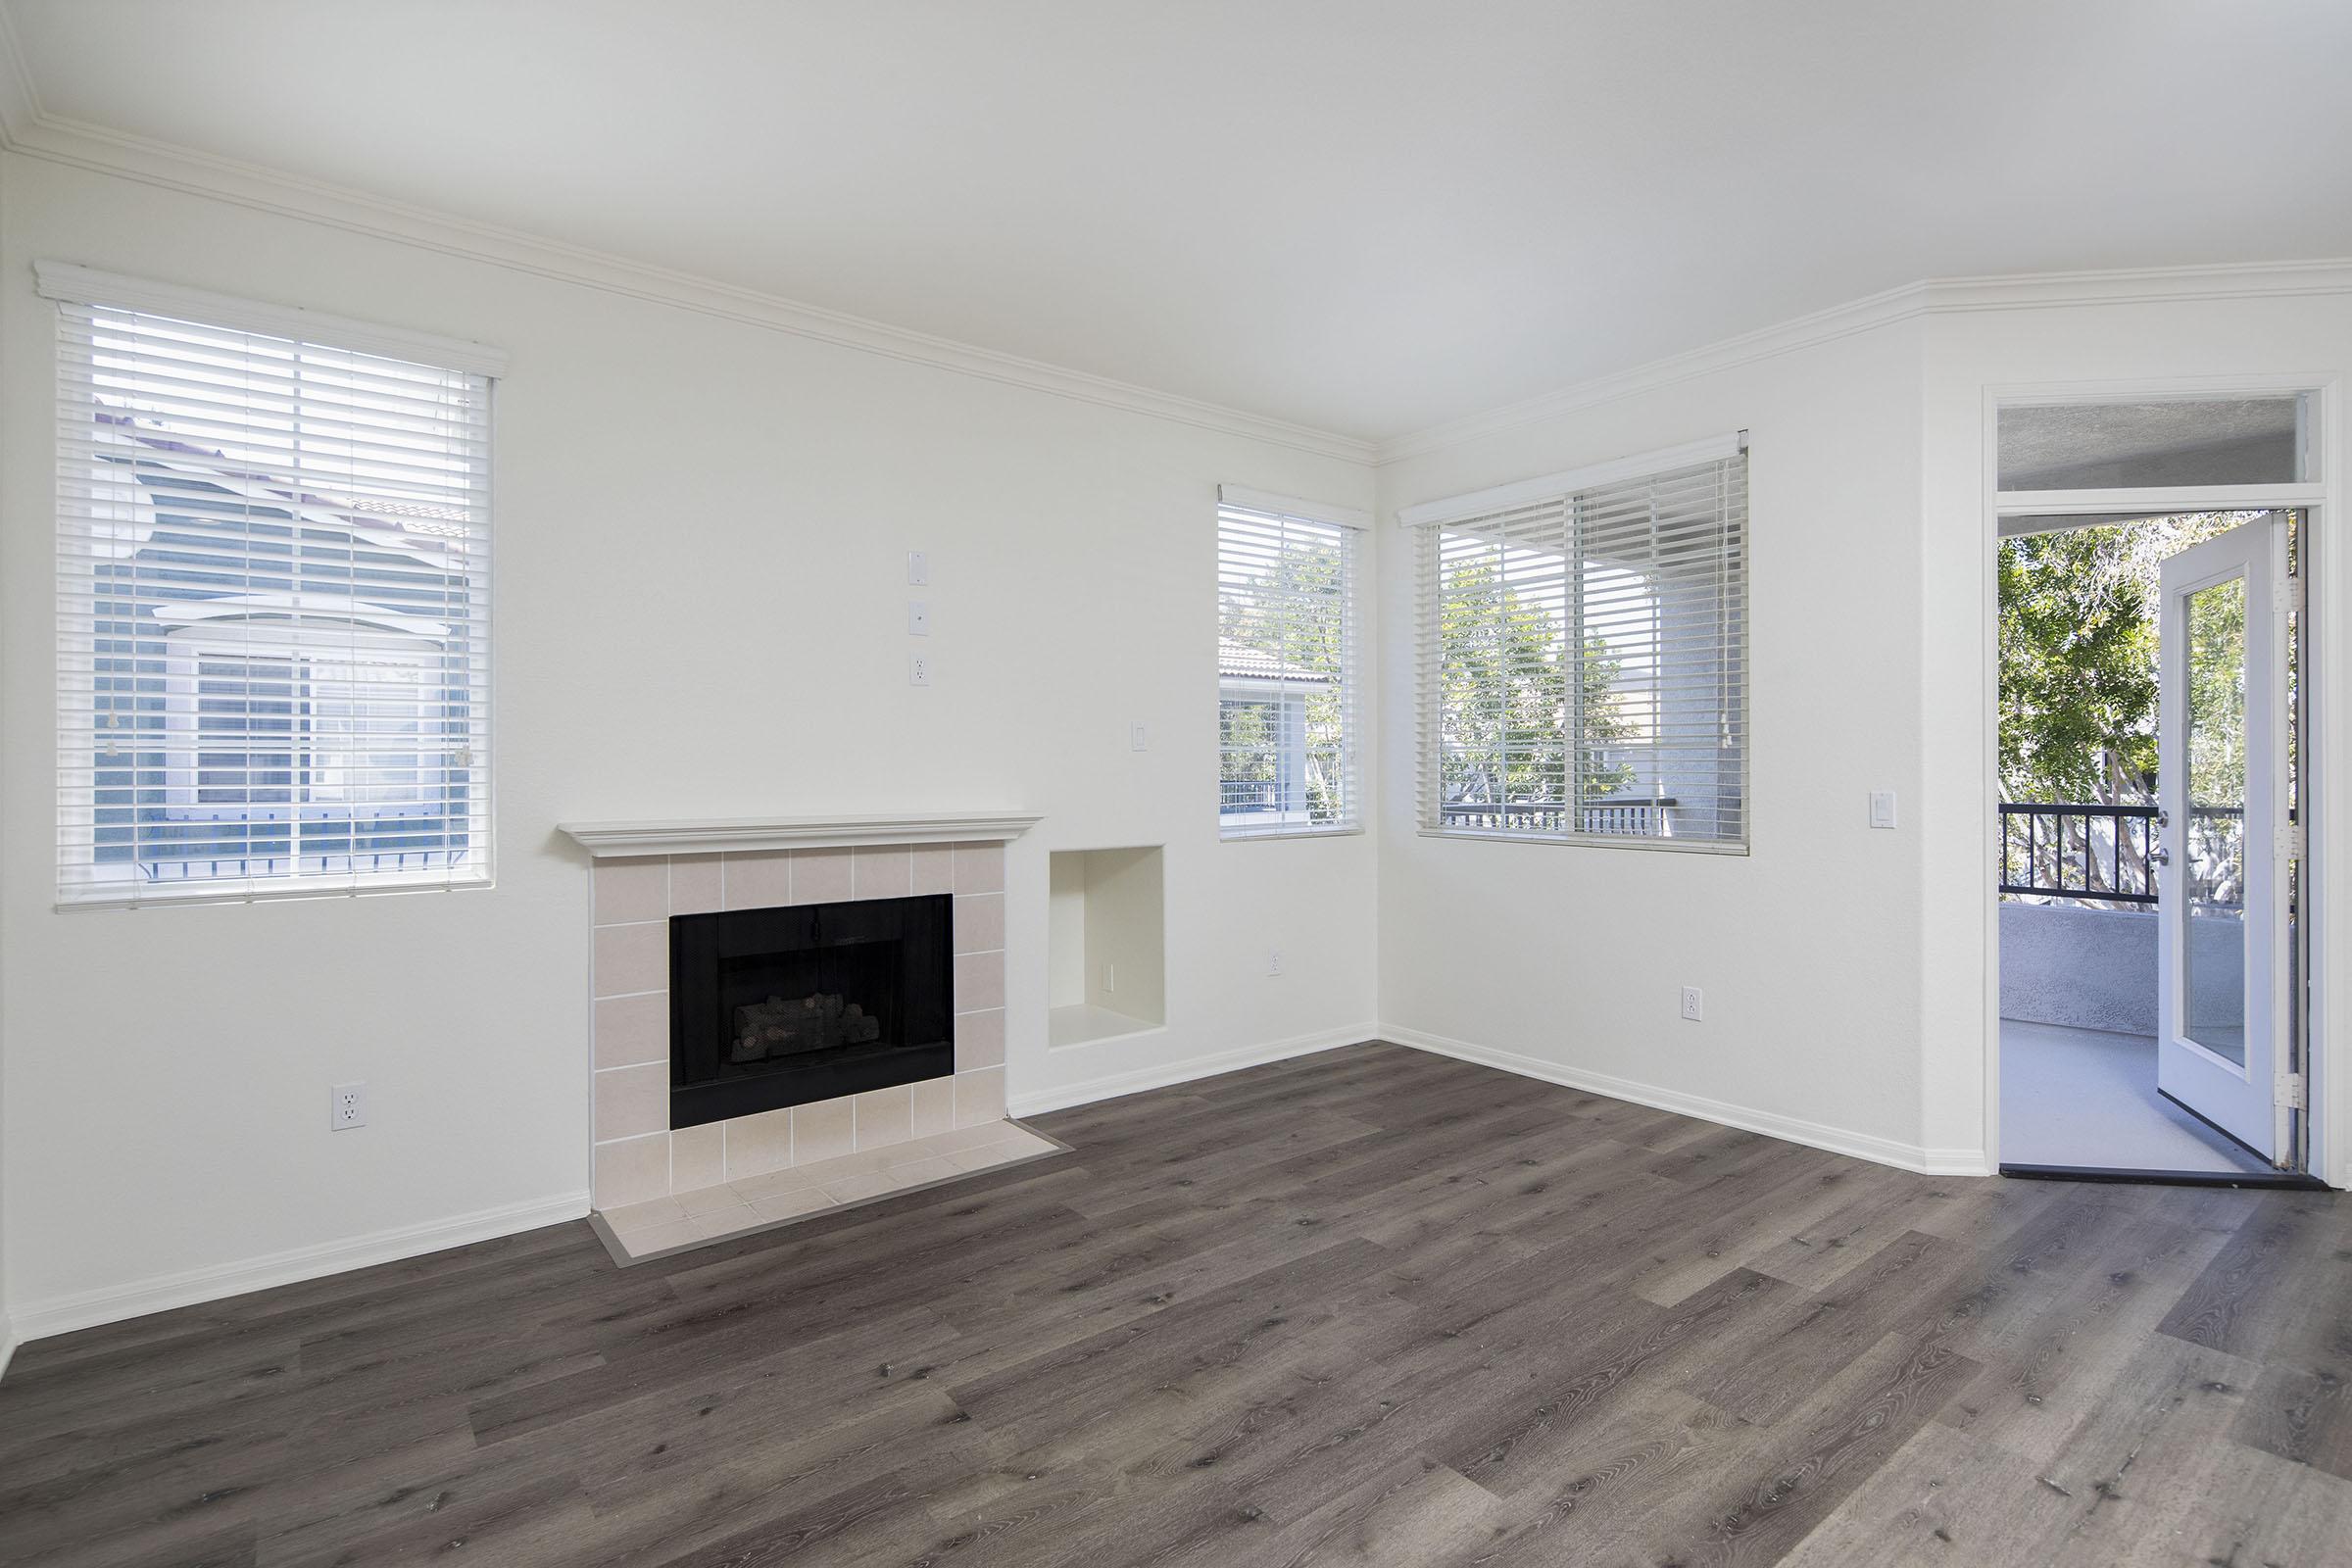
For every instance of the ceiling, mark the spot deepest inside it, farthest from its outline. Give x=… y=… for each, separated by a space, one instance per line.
x=1363 y=216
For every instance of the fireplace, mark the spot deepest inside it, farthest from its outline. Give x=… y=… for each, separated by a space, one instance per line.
x=783 y=1007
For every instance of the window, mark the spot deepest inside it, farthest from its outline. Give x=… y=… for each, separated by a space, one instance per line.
x=274 y=601
x=1582 y=643
x=1286 y=666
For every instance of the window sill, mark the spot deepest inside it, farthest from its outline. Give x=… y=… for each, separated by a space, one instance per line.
x=1356 y=831
x=1592 y=841
x=152 y=895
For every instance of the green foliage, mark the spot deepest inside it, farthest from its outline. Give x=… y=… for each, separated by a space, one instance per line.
x=1505 y=711
x=2077 y=653
x=2079 y=618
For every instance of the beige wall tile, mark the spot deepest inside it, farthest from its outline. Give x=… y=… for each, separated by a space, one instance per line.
x=630 y=1030
x=979 y=922
x=979 y=981
x=979 y=867
x=760 y=881
x=697 y=1158
x=757 y=1145
x=634 y=1171
x=822 y=1130
x=631 y=890
x=979 y=1040
x=884 y=1116
x=883 y=872
x=631 y=1102
x=633 y=958
x=695 y=884
x=934 y=868
x=979 y=1097
x=820 y=876
x=933 y=1106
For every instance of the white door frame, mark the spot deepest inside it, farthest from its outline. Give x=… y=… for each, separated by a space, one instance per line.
x=2325 y=741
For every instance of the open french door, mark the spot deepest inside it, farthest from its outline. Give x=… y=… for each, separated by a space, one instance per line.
x=2222 y=889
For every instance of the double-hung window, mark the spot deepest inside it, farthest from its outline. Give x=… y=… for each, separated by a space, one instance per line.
x=274 y=591
x=1287 y=666
x=1582 y=652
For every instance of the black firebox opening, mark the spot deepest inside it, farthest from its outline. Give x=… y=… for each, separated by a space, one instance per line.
x=773 y=1007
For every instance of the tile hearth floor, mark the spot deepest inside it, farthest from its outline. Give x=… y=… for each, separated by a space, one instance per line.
x=639 y=1230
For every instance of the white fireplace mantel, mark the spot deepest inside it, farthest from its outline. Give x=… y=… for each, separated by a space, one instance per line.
x=744 y=835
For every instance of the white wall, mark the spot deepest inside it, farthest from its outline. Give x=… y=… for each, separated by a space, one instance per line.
x=1849 y=974
x=700 y=544
x=1568 y=960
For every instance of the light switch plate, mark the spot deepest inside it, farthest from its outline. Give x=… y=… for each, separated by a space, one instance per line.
x=1882 y=807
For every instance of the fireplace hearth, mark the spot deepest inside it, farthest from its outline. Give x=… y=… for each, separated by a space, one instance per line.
x=784 y=1006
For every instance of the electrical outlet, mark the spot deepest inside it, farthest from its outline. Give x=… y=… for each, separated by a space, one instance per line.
x=1695 y=1003
x=1273 y=961
x=347 y=1107
x=918 y=618
x=1139 y=737
x=919 y=567
x=918 y=670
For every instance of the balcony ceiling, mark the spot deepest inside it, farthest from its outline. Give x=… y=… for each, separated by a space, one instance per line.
x=1368 y=217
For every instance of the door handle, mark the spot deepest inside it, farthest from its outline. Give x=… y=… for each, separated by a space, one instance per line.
x=2160 y=855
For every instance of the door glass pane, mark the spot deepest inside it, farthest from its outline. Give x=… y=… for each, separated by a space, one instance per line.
x=2213 y=958
x=2101 y=446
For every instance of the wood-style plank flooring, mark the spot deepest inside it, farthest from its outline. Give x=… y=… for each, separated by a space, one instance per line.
x=1371 y=1306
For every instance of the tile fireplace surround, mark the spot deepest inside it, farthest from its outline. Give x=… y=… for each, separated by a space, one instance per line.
x=638 y=1157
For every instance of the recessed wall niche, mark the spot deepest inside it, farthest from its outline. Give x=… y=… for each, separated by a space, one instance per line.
x=1106 y=949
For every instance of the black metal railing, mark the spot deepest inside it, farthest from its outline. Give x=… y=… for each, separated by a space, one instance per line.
x=2078 y=850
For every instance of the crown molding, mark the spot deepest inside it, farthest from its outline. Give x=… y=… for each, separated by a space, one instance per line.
x=29 y=129
x=2139 y=286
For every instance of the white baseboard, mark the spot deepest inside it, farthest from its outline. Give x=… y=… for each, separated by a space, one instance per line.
x=62 y=1314
x=8 y=1342
x=1162 y=1075
x=1795 y=1130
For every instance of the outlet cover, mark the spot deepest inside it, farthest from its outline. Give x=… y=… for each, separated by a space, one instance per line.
x=347 y=1107
x=918 y=670
x=1695 y=1003
x=919 y=567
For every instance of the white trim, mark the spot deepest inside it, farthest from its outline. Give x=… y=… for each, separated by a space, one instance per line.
x=1266 y=501
x=2329 y=1069
x=1551 y=486
x=1792 y=1129
x=86 y=285
x=8 y=1343
x=742 y=835
x=29 y=129
x=1111 y=1086
x=81 y=1310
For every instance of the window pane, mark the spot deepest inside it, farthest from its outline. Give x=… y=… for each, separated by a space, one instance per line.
x=272 y=613
x=2106 y=446
x=1285 y=673
x=1583 y=664
x=2213 y=962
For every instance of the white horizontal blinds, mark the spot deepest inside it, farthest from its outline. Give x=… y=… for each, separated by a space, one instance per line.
x=274 y=597
x=1287 y=667
x=1584 y=663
